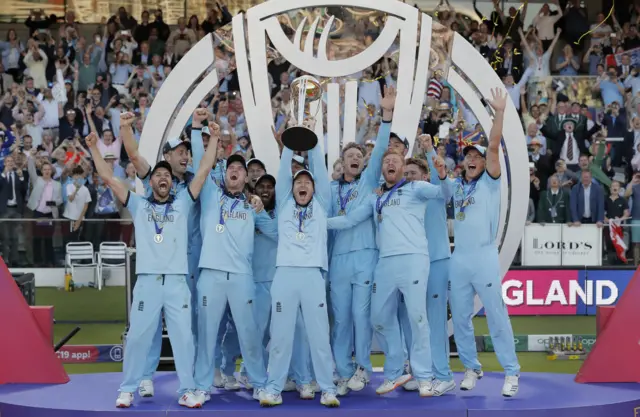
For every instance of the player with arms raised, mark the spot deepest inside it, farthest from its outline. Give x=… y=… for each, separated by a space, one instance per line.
x=403 y=268
x=475 y=266
x=160 y=222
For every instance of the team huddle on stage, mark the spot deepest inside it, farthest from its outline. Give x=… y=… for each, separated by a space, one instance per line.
x=242 y=263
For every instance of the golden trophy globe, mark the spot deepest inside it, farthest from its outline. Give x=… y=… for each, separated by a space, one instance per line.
x=300 y=136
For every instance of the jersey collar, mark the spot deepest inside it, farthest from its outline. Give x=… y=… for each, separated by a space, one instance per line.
x=152 y=200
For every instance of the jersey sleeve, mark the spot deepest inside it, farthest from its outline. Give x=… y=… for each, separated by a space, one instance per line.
x=493 y=183
x=351 y=219
x=427 y=191
x=133 y=203
x=267 y=225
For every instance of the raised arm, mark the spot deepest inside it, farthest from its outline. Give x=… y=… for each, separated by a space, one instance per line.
x=351 y=219
x=439 y=189
x=374 y=168
x=104 y=170
x=131 y=146
x=285 y=179
x=206 y=164
x=498 y=102
x=321 y=177
x=197 y=144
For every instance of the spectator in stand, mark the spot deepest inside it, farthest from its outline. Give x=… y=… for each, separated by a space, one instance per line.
x=611 y=89
x=616 y=209
x=587 y=201
x=13 y=195
x=181 y=39
x=44 y=201
x=545 y=22
x=554 y=206
x=75 y=209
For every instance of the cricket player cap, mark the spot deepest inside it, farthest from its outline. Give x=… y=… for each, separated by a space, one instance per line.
x=481 y=149
x=172 y=144
x=237 y=158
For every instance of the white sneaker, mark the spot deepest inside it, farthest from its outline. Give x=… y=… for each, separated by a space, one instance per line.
x=411 y=385
x=510 y=387
x=471 y=376
x=289 y=386
x=306 y=392
x=257 y=393
x=425 y=388
x=359 y=380
x=329 y=399
x=205 y=396
x=342 y=387
x=230 y=383
x=125 y=400
x=388 y=386
x=315 y=386
x=442 y=387
x=190 y=400
x=145 y=390
x=218 y=380
x=270 y=400
x=244 y=380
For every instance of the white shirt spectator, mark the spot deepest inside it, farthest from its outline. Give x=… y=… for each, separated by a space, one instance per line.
x=544 y=24
x=50 y=118
x=73 y=209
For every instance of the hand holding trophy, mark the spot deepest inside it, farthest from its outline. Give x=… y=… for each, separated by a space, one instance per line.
x=301 y=137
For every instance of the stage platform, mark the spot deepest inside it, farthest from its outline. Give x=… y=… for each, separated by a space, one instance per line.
x=541 y=395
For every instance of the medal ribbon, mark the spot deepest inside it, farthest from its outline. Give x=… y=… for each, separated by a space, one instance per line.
x=393 y=189
x=345 y=200
x=222 y=203
x=466 y=196
x=159 y=229
x=301 y=215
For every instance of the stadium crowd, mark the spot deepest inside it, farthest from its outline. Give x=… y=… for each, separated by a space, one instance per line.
x=60 y=85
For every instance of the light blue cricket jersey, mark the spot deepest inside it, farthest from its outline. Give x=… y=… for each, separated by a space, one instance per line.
x=357 y=193
x=265 y=250
x=482 y=214
x=435 y=219
x=170 y=255
x=232 y=249
x=311 y=251
x=401 y=230
x=193 y=224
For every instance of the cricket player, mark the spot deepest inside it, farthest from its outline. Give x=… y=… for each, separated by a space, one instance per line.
x=176 y=153
x=474 y=266
x=228 y=232
x=227 y=345
x=403 y=267
x=435 y=222
x=264 y=269
x=354 y=256
x=160 y=222
x=302 y=204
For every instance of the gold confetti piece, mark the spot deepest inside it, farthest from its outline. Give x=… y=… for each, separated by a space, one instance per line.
x=613 y=5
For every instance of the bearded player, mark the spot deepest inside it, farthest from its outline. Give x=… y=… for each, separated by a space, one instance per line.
x=354 y=256
x=402 y=268
x=435 y=221
x=176 y=153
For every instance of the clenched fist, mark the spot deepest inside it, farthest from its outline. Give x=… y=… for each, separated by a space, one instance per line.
x=92 y=140
x=127 y=119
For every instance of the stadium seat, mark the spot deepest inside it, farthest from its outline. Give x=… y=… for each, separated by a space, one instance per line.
x=80 y=255
x=110 y=255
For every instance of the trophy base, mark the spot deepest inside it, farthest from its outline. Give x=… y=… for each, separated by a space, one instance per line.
x=299 y=138
x=566 y=355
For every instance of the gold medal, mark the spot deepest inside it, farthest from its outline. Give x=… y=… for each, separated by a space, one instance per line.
x=379 y=217
x=220 y=228
x=158 y=238
x=341 y=213
x=300 y=236
x=460 y=216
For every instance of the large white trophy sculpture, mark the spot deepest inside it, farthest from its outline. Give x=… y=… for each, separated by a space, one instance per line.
x=404 y=38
